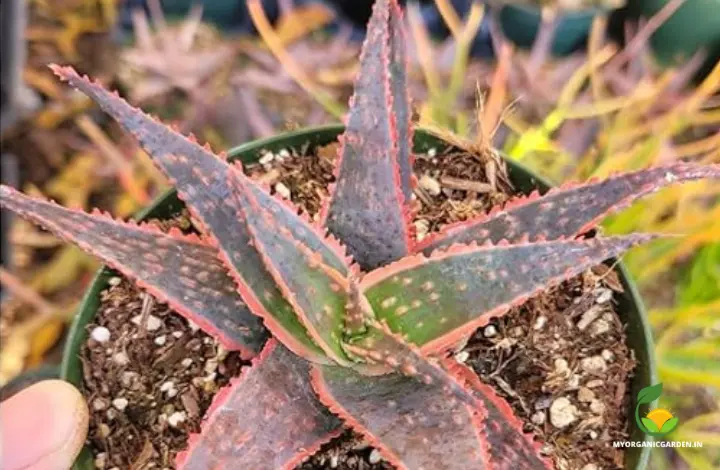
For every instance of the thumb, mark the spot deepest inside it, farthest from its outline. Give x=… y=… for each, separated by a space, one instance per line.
x=43 y=427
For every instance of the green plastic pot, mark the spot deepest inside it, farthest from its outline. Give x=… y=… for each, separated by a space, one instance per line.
x=520 y=24
x=695 y=25
x=630 y=306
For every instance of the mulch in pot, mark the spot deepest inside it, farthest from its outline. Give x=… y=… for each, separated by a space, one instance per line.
x=561 y=359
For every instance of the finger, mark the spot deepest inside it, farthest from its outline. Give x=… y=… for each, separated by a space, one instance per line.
x=43 y=427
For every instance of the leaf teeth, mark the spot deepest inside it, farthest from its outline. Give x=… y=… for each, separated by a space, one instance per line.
x=508 y=447
x=367 y=206
x=567 y=211
x=201 y=179
x=248 y=426
x=306 y=275
x=447 y=295
x=401 y=99
x=175 y=268
x=413 y=424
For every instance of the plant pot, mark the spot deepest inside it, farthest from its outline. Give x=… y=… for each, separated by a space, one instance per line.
x=630 y=306
x=695 y=25
x=520 y=24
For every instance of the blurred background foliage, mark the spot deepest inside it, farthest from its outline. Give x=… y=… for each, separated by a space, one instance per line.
x=607 y=107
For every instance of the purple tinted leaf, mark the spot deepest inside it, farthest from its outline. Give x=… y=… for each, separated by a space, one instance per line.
x=567 y=211
x=401 y=98
x=201 y=179
x=367 y=209
x=434 y=301
x=412 y=423
x=180 y=270
x=268 y=419
x=509 y=447
x=317 y=292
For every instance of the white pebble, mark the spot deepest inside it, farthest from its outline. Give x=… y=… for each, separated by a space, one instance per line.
x=573 y=382
x=167 y=386
x=590 y=466
x=430 y=184
x=114 y=281
x=121 y=359
x=561 y=366
x=100 y=460
x=597 y=407
x=100 y=334
x=211 y=366
x=607 y=355
x=176 y=418
x=334 y=461
x=99 y=404
x=538 y=418
x=604 y=296
x=489 y=331
x=152 y=324
x=187 y=362
x=540 y=322
x=593 y=434
x=282 y=190
x=562 y=413
x=177 y=334
x=283 y=154
x=375 y=457
x=120 y=404
x=462 y=356
x=266 y=158
x=128 y=378
x=593 y=365
x=193 y=326
x=432 y=152
x=160 y=340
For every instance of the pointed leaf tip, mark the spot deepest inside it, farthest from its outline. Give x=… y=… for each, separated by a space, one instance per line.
x=567 y=211
x=201 y=179
x=175 y=268
x=435 y=301
x=367 y=207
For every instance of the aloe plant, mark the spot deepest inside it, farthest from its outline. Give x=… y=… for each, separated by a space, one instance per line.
x=348 y=320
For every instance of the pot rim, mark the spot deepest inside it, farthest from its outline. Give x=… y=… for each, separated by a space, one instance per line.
x=641 y=342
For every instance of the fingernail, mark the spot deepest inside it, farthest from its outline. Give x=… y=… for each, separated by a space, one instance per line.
x=43 y=427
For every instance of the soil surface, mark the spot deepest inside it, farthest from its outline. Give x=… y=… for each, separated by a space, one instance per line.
x=560 y=359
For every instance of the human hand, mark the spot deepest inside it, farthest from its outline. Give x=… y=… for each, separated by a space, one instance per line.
x=42 y=427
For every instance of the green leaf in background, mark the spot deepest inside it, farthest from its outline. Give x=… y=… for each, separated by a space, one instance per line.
x=701 y=283
x=649 y=395
x=650 y=425
x=669 y=425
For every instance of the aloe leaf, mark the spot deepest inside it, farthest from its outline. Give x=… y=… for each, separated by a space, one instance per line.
x=367 y=208
x=509 y=447
x=201 y=179
x=435 y=301
x=413 y=424
x=267 y=419
x=567 y=211
x=317 y=292
x=178 y=269
x=401 y=104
